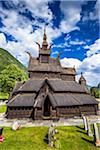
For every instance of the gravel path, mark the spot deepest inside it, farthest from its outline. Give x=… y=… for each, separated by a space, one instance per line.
x=61 y=122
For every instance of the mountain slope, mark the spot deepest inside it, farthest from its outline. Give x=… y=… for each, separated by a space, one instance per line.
x=6 y=59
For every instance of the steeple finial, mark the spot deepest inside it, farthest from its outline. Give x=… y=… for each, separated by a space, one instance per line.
x=44 y=36
x=45 y=29
x=44 y=44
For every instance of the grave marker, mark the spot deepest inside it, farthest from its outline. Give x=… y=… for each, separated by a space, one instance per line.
x=96 y=134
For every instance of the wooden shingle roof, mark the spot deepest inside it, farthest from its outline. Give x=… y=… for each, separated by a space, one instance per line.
x=65 y=100
x=22 y=100
x=52 y=66
x=44 y=68
x=57 y=85
x=84 y=98
x=64 y=93
x=68 y=99
x=17 y=86
x=31 y=85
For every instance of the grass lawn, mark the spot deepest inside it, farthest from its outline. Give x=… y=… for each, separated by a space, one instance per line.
x=32 y=138
x=2 y=108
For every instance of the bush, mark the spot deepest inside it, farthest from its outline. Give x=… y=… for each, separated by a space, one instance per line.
x=9 y=76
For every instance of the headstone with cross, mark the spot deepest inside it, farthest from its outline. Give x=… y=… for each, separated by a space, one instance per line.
x=96 y=130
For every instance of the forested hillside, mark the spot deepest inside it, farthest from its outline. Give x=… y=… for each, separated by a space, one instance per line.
x=6 y=59
x=11 y=71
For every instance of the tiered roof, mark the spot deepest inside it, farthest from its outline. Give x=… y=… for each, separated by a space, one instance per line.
x=61 y=93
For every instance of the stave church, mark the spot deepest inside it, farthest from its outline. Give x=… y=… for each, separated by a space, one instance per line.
x=51 y=90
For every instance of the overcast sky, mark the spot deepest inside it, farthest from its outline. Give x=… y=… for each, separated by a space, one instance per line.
x=73 y=28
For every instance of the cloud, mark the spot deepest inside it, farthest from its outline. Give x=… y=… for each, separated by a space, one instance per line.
x=66 y=28
x=70 y=62
x=17 y=49
x=21 y=28
x=93 y=15
x=71 y=12
x=90 y=63
x=61 y=45
x=94 y=48
x=2 y=40
x=23 y=33
x=90 y=67
x=68 y=43
x=77 y=42
x=37 y=8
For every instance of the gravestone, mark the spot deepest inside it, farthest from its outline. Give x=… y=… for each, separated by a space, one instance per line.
x=98 y=112
x=89 y=132
x=96 y=135
x=51 y=136
x=85 y=123
x=1 y=130
x=1 y=137
x=15 y=125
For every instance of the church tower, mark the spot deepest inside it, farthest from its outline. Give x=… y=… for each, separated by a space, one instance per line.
x=82 y=80
x=44 y=51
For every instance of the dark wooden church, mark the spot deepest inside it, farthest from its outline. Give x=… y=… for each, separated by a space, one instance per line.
x=51 y=91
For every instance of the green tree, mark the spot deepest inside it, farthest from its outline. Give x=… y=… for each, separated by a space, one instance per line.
x=95 y=91
x=9 y=76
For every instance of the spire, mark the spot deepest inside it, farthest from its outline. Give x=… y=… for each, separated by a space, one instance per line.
x=44 y=44
x=82 y=80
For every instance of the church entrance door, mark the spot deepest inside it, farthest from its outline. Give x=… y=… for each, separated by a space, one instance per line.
x=47 y=105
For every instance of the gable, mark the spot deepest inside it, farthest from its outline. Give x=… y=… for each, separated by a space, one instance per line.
x=39 y=102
